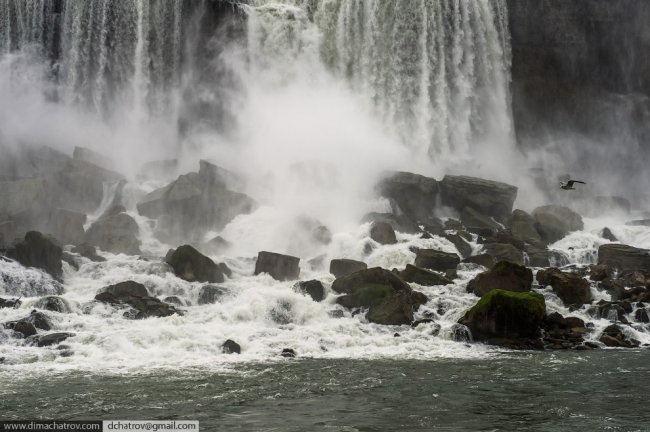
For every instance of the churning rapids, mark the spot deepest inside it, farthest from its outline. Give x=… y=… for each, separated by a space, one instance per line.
x=306 y=105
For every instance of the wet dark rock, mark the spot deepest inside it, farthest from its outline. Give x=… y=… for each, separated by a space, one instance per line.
x=312 y=288
x=175 y=300
x=88 y=251
x=460 y=333
x=39 y=251
x=230 y=347
x=115 y=232
x=80 y=185
x=641 y=315
x=545 y=257
x=39 y=320
x=436 y=260
x=210 y=294
x=606 y=233
x=10 y=303
x=136 y=296
x=504 y=252
x=424 y=277
x=127 y=289
x=505 y=276
x=613 y=336
x=288 y=353
x=344 y=267
x=624 y=257
x=336 y=313
x=484 y=260
x=475 y=221
x=25 y=328
x=489 y=198
x=280 y=267
x=463 y=247
x=554 y=222
x=505 y=318
x=71 y=259
x=522 y=228
x=190 y=265
x=383 y=233
x=54 y=304
x=390 y=299
x=569 y=287
x=410 y=194
x=195 y=203
x=563 y=333
x=53 y=339
x=400 y=223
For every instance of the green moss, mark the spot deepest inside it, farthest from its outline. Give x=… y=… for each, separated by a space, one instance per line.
x=531 y=303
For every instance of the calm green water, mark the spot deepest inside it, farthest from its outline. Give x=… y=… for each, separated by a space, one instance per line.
x=594 y=391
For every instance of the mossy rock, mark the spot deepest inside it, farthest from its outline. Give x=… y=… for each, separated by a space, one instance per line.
x=506 y=314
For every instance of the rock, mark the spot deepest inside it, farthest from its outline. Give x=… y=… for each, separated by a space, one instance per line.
x=436 y=260
x=210 y=294
x=545 y=258
x=474 y=221
x=36 y=250
x=65 y=225
x=225 y=269
x=484 y=260
x=39 y=320
x=53 y=339
x=312 y=288
x=288 y=353
x=613 y=311
x=280 y=267
x=87 y=155
x=400 y=223
x=20 y=196
x=554 y=222
x=7 y=234
x=464 y=249
x=506 y=318
x=190 y=265
x=624 y=257
x=195 y=203
x=344 y=267
x=569 y=287
x=641 y=315
x=504 y=252
x=460 y=333
x=390 y=300
x=13 y=303
x=26 y=328
x=115 y=233
x=321 y=234
x=486 y=197
x=54 y=304
x=606 y=233
x=383 y=233
x=216 y=246
x=613 y=336
x=158 y=170
x=28 y=162
x=175 y=300
x=504 y=275
x=88 y=251
x=423 y=277
x=230 y=347
x=522 y=228
x=563 y=333
x=127 y=289
x=639 y=222
x=411 y=195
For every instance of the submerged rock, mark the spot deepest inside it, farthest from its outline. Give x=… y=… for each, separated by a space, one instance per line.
x=54 y=304
x=288 y=353
x=505 y=276
x=486 y=197
x=190 y=265
x=505 y=318
x=554 y=222
x=312 y=288
x=436 y=260
x=280 y=267
x=390 y=299
x=230 y=347
x=39 y=251
x=210 y=294
x=343 y=267
x=569 y=287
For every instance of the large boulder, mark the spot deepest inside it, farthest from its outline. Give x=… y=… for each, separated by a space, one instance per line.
x=512 y=319
x=312 y=288
x=383 y=233
x=136 y=296
x=554 y=222
x=504 y=275
x=411 y=195
x=190 y=265
x=389 y=299
x=624 y=257
x=423 y=277
x=569 y=287
x=21 y=195
x=7 y=234
x=522 y=228
x=39 y=251
x=488 y=198
x=28 y=162
x=504 y=252
x=280 y=267
x=436 y=260
x=343 y=267
x=115 y=232
x=195 y=203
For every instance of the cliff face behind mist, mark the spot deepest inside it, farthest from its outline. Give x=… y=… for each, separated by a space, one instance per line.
x=577 y=62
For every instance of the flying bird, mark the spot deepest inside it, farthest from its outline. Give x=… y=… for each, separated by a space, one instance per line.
x=569 y=184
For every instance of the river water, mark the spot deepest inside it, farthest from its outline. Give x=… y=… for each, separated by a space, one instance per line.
x=603 y=390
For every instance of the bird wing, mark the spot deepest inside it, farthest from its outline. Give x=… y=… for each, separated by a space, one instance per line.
x=570 y=182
